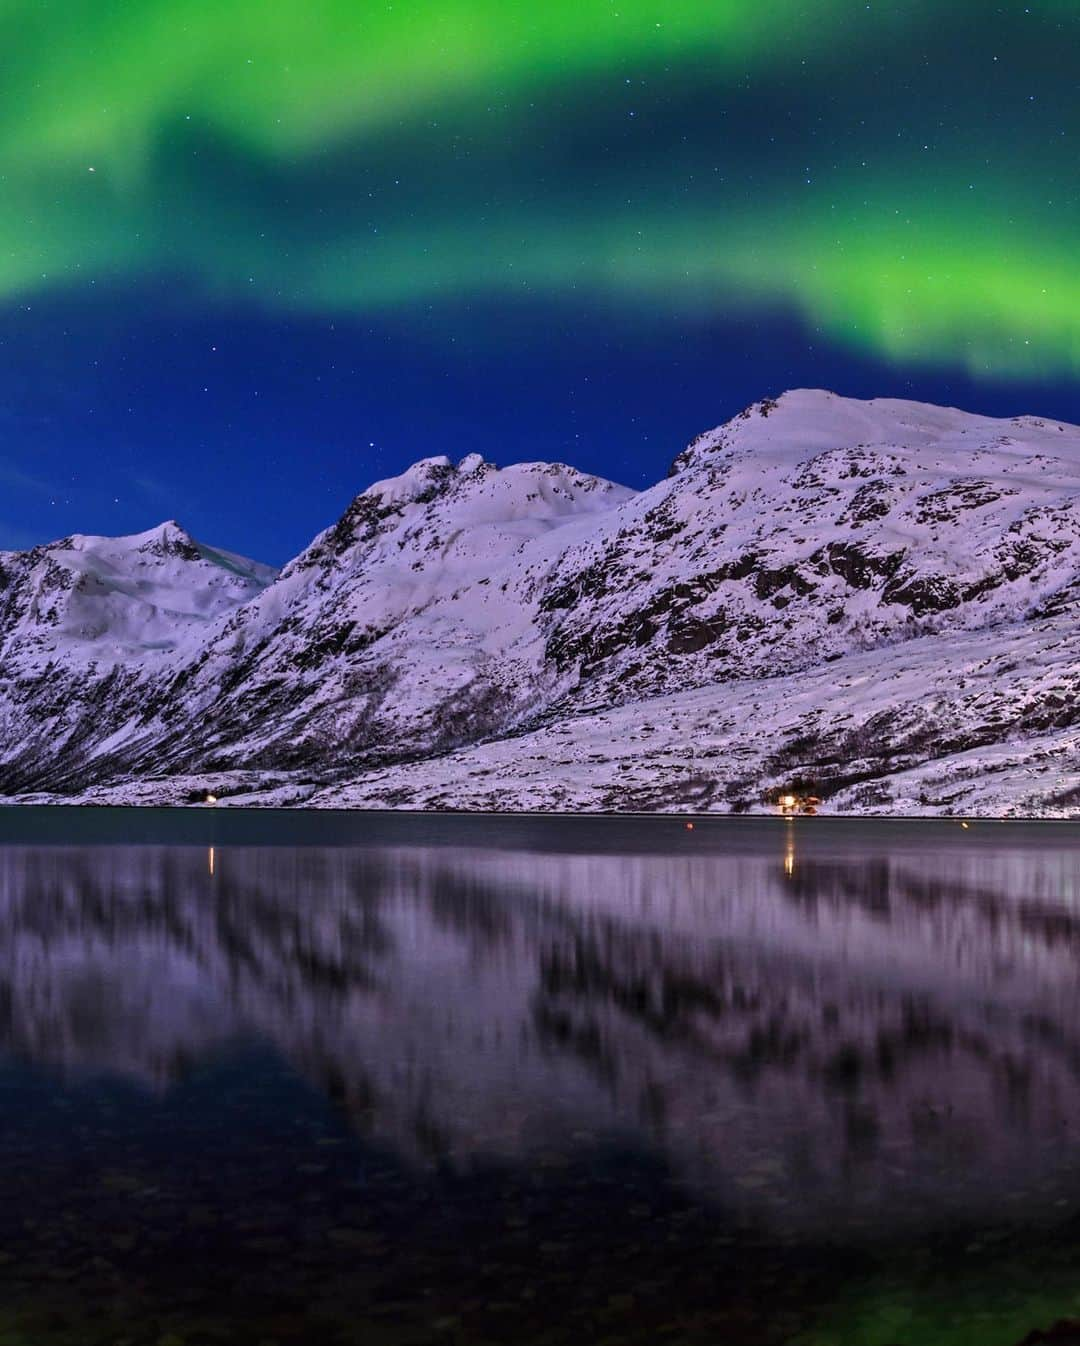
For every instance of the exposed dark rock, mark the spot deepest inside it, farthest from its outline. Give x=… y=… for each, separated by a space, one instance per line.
x=859 y=566
x=923 y=594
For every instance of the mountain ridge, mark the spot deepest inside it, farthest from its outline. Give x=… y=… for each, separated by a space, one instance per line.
x=459 y=606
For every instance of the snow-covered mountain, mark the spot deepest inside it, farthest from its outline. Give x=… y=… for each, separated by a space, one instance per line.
x=90 y=627
x=876 y=599
x=123 y=600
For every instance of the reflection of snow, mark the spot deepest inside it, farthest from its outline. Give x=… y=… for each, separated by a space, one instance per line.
x=901 y=1017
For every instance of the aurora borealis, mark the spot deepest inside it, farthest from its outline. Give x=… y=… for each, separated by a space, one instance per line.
x=892 y=186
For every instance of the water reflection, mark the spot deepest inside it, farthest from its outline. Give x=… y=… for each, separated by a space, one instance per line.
x=815 y=1038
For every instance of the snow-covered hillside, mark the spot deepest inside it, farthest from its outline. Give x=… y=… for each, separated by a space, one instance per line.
x=120 y=600
x=90 y=629
x=877 y=600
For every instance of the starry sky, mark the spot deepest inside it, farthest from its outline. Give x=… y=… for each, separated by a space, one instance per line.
x=254 y=256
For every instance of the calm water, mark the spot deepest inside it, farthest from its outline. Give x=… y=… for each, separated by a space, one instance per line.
x=358 y=1079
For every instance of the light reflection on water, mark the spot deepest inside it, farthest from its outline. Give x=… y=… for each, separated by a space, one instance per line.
x=825 y=1033
x=841 y=1034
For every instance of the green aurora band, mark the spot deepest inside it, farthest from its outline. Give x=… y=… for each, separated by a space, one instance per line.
x=904 y=178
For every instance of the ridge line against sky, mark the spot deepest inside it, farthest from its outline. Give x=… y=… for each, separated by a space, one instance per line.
x=281 y=225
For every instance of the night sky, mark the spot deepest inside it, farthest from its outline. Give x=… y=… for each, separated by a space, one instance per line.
x=256 y=253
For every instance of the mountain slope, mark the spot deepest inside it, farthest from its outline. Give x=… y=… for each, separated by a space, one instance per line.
x=119 y=600
x=407 y=627
x=92 y=627
x=946 y=724
x=814 y=527
x=823 y=591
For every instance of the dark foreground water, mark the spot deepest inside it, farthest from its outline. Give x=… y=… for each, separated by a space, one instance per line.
x=276 y=1078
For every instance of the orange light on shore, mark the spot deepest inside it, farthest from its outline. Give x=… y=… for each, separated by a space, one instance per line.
x=689 y=827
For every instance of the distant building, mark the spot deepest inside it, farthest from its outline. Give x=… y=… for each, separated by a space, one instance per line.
x=790 y=803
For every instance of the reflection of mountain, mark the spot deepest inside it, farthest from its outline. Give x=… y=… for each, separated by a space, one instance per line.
x=805 y=1037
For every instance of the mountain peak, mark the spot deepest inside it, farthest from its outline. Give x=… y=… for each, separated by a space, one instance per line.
x=804 y=422
x=167 y=539
x=414 y=483
x=426 y=477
